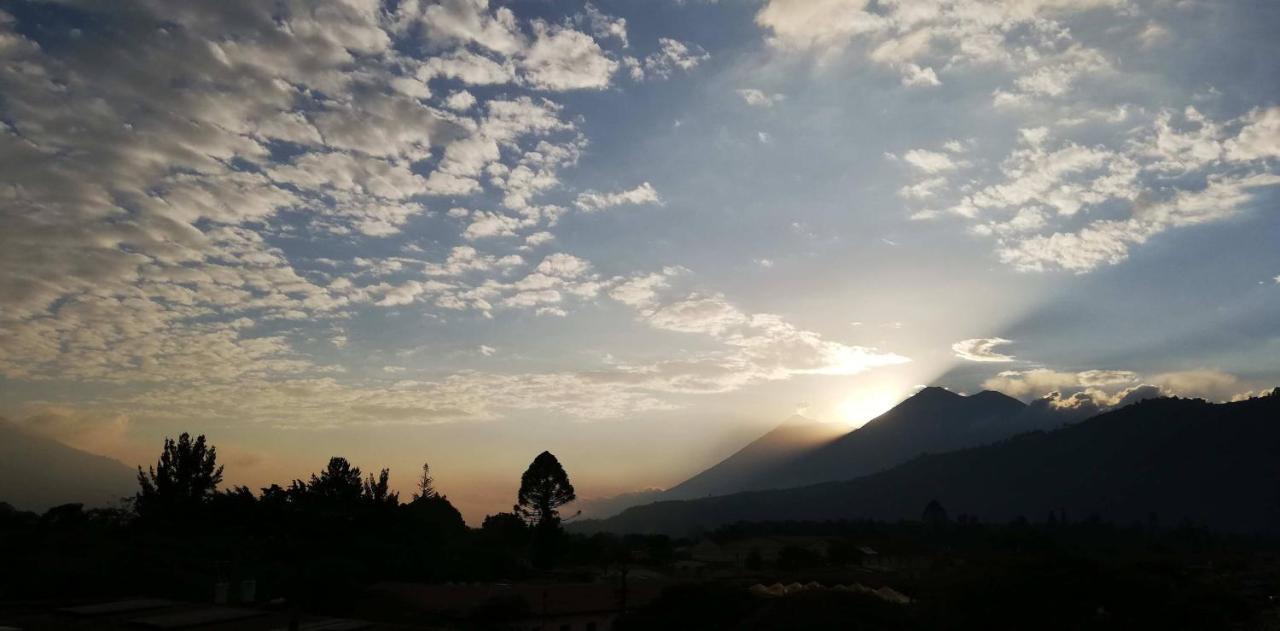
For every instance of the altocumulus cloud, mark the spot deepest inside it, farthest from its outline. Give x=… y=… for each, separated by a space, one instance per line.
x=189 y=243
x=1053 y=196
x=1177 y=172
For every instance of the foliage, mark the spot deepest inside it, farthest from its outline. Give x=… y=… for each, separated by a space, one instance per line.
x=544 y=488
x=186 y=476
x=426 y=484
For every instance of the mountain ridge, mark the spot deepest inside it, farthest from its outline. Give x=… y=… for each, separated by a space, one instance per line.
x=790 y=439
x=932 y=419
x=37 y=473
x=1211 y=464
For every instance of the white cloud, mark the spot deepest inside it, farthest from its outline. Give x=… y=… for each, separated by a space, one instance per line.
x=672 y=55
x=913 y=75
x=604 y=26
x=923 y=189
x=981 y=350
x=590 y=201
x=915 y=37
x=640 y=291
x=460 y=100
x=1055 y=75
x=697 y=314
x=820 y=26
x=565 y=59
x=469 y=68
x=1106 y=388
x=465 y=22
x=1211 y=384
x=1259 y=138
x=563 y=266
x=929 y=161
x=1040 y=381
x=758 y=98
x=146 y=250
x=539 y=238
x=1040 y=207
x=487 y=224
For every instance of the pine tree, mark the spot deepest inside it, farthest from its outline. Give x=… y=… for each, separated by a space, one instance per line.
x=544 y=488
x=426 y=484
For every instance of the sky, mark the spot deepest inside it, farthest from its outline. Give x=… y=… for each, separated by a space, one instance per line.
x=637 y=234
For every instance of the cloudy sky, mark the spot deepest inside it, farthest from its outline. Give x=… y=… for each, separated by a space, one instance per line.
x=633 y=233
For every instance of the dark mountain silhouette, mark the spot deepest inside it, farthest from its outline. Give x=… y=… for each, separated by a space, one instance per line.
x=748 y=468
x=932 y=420
x=601 y=507
x=37 y=473
x=744 y=470
x=1165 y=460
x=802 y=451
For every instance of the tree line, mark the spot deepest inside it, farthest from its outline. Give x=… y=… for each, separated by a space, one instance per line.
x=186 y=478
x=310 y=541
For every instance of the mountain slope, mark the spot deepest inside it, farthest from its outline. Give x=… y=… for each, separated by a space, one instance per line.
x=802 y=451
x=746 y=469
x=1175 y=459
x=37 y=473
x=932 y=420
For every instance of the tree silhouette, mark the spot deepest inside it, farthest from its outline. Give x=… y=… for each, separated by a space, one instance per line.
x=426 y=484
x=378 y=490
x=186 y=475
x=544 y=488
x=339 y=483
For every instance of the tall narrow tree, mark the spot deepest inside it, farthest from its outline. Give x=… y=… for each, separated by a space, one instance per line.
x=544 y=488
x=426 y=484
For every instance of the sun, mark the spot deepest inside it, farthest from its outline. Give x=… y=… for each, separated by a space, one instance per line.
x=864 y=406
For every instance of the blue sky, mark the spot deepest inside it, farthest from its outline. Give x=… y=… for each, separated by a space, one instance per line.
x=634 y=233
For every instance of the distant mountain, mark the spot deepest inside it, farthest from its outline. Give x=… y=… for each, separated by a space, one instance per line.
x=932 y=420
x=740 y=471
x=601 y=507
x=748 y=468
x=803 y=451
x=1168 y=459
x=37 y=473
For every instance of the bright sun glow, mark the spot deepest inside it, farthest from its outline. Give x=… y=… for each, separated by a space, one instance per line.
x=864 y=406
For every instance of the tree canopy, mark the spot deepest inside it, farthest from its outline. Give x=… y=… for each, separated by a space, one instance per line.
x=544 y=488
x=186 y=476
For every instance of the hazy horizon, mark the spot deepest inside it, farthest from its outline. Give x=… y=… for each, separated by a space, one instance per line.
x=635 y=234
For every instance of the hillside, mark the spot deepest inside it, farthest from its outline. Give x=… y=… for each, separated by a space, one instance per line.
x=1164 y=459
x=932 y=420
x=801 y=451
x=37 y=473
x=748 y=468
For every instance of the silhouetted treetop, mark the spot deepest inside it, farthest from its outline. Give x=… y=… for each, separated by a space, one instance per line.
x=339 y=482
x=544 y=488
x=186 y=475
x=426 y=483
x=378 y=490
